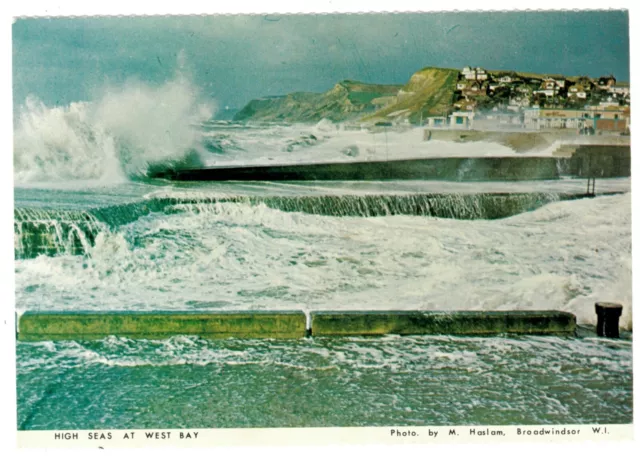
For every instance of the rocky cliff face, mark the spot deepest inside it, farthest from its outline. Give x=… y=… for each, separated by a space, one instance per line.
x=347 y=100
x=428 y=92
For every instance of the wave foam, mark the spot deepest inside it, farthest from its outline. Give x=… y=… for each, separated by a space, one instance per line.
x=118 y=136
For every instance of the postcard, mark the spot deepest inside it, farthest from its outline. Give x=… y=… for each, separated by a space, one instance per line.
x=277 y=229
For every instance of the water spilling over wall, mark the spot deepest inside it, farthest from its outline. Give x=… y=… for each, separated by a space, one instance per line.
x=455 y=206
x=53 y=232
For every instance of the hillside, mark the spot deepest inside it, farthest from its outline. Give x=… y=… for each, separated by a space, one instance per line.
x=347 y=100
x=438 y=92
x=429 y=92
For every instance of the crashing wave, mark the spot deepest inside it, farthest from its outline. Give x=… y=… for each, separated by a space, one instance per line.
x=123 y=134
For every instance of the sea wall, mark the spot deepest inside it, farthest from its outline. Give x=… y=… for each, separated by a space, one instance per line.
x=40 y=326
x=602 y=161
x=597 y=161
x=448 y=169
x=480 y=206
x=443 y=322
x=53 y=232
x=524 y=142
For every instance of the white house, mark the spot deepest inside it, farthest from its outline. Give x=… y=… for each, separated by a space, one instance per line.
x=461 y=120
x=609 y=102
x=524 y=90
x=476 y=73
x=620 y=88
x=532 y=118
x=549 y=87
x=436 y=122
x=518 y=102
x=577 y=91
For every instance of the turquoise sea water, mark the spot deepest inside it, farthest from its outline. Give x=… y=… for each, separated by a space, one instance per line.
x=390 y=381
x=92 y=234
x=196 y=253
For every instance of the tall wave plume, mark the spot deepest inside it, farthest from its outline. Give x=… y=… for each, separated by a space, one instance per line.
x=123 y=134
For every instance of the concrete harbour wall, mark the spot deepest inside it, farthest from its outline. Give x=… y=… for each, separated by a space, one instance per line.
x=37 y=326
x=602 y=161
x=56 y=232
x=449 y=168
x=40 y=326
x=441 y=322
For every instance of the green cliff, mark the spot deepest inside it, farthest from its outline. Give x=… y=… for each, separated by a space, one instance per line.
x=429 y=92
x=347 y=100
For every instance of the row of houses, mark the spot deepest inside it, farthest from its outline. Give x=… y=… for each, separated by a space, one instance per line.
x=583 y=120
x=488 y=100
x=587 y=121
x=525 y=90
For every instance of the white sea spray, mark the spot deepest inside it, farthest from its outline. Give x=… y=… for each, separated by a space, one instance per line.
x=117 y=136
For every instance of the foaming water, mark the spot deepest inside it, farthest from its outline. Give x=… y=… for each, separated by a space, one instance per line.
x=391 y=352
x=54 y=232
x=38 y=230
x=119 y=135
x=423 y=380
x=241 y=144
x=248 y=246
x=565 y=255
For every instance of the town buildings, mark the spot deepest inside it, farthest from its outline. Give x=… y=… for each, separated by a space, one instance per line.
x=485 y=100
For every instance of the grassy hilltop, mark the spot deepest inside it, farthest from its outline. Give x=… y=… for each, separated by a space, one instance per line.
x=347 y=100
x=429 y=92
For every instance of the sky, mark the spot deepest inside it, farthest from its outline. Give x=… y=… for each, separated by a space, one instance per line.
x=234 y=59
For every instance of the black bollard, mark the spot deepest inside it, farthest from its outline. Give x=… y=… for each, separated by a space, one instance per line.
x=608 y=319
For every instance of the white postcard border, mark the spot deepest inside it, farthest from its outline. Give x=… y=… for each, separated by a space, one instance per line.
x=9 y=435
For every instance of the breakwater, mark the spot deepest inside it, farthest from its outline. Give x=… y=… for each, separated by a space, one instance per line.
x=48 y=231
x=39 y=326
x=449 y=169
x=331 y=323
x=601 y=161
x=597 y=161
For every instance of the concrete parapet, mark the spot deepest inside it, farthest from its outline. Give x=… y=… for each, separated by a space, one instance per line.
x=341 y=323
x=40 y=325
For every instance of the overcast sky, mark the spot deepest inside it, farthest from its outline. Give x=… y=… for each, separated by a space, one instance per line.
x=236 y=58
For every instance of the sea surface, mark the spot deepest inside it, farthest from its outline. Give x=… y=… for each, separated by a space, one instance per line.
x=120 y=241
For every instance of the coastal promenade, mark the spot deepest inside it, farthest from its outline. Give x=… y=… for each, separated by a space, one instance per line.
x=529 y=142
